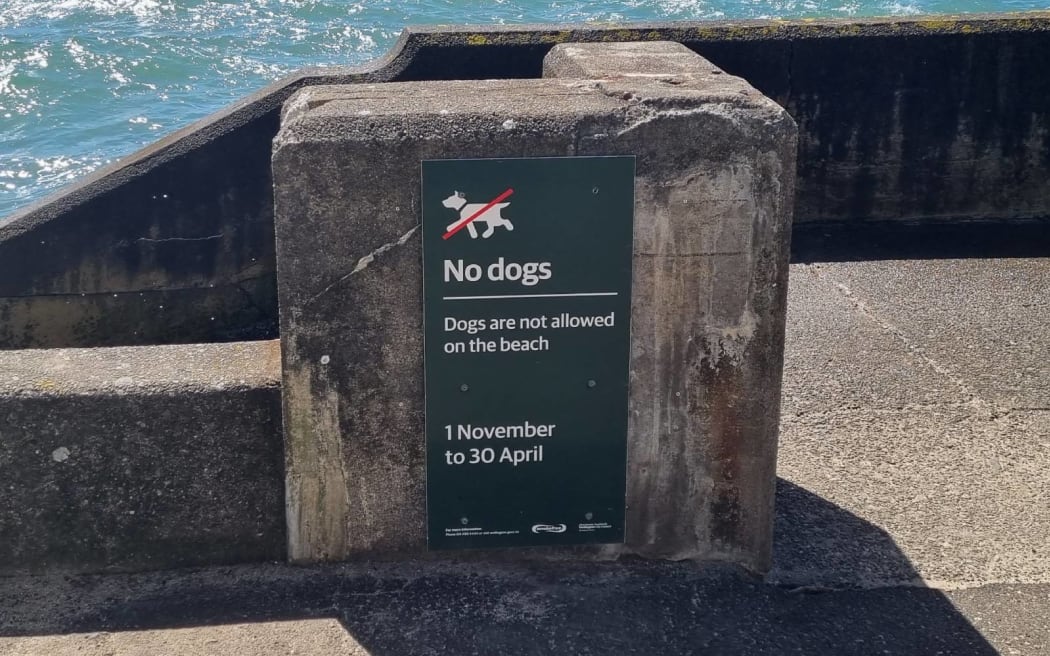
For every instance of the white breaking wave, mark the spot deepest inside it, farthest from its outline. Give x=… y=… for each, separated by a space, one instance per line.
x=13 y=12
x=26 y=177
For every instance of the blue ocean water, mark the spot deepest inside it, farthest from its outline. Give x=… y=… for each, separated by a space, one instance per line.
x=85 y=82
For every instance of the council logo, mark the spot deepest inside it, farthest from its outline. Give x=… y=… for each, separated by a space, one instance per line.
x=549 y=528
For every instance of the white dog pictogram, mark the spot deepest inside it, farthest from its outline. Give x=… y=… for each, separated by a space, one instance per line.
x=491 y=218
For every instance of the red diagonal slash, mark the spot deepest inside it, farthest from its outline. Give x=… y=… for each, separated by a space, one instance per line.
x=488 y=206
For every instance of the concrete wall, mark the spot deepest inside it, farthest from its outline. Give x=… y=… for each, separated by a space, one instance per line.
x=113 y=459
x=900 y=120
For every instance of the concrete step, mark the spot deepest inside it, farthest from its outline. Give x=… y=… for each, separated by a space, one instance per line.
x=140 y=457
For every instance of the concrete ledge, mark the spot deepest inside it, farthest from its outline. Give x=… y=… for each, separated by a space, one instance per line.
x=139 y=458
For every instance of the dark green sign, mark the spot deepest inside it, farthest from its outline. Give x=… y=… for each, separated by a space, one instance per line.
x=527 y=308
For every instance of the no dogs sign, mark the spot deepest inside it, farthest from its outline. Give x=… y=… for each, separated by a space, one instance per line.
x=527 y=309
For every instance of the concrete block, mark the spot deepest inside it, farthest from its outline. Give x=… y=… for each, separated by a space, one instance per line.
x=714 y=187
x=140 y=457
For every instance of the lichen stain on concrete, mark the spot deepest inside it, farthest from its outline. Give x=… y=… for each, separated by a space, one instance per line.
x=721 y=394
x=731 y=341
x=621 y=35
x=317 y=506
x=684 y=334
x=664 y=453
x=945 y=25
x=61 y=454
x=45 y=385
x=774 y=29
x=555 y=37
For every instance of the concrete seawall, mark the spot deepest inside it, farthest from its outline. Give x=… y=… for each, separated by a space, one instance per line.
x=918 y=120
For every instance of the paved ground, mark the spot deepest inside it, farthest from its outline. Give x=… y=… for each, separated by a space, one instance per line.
x=916 y=416
x=913 y=517
x=637 y=608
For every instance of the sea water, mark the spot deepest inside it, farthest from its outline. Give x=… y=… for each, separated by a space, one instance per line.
x=85 y=82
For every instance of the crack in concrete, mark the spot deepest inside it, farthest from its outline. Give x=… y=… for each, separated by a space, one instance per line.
x=993 y=411
x=912 y=347
x=157 y=241
x=364 y=262
x=648 y=115
x=846 y=411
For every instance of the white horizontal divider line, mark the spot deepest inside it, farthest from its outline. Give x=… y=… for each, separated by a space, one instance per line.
x=485 y=298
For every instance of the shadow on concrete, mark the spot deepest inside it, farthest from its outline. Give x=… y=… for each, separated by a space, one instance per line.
x=618 y=608
x=817 y=543
x=842 y=242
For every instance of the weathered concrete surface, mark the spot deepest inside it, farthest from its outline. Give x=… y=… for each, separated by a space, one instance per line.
x=986 y=330
x=101 y=264
x=712 y=235
x=714 y=187
x=948 y=121
x=917 y=136
x=635 y=608
x=140 y=457
x=915 y=398
x=222 y=312
x=659 y=61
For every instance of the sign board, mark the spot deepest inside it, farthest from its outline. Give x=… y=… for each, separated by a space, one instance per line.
x=527 y=308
